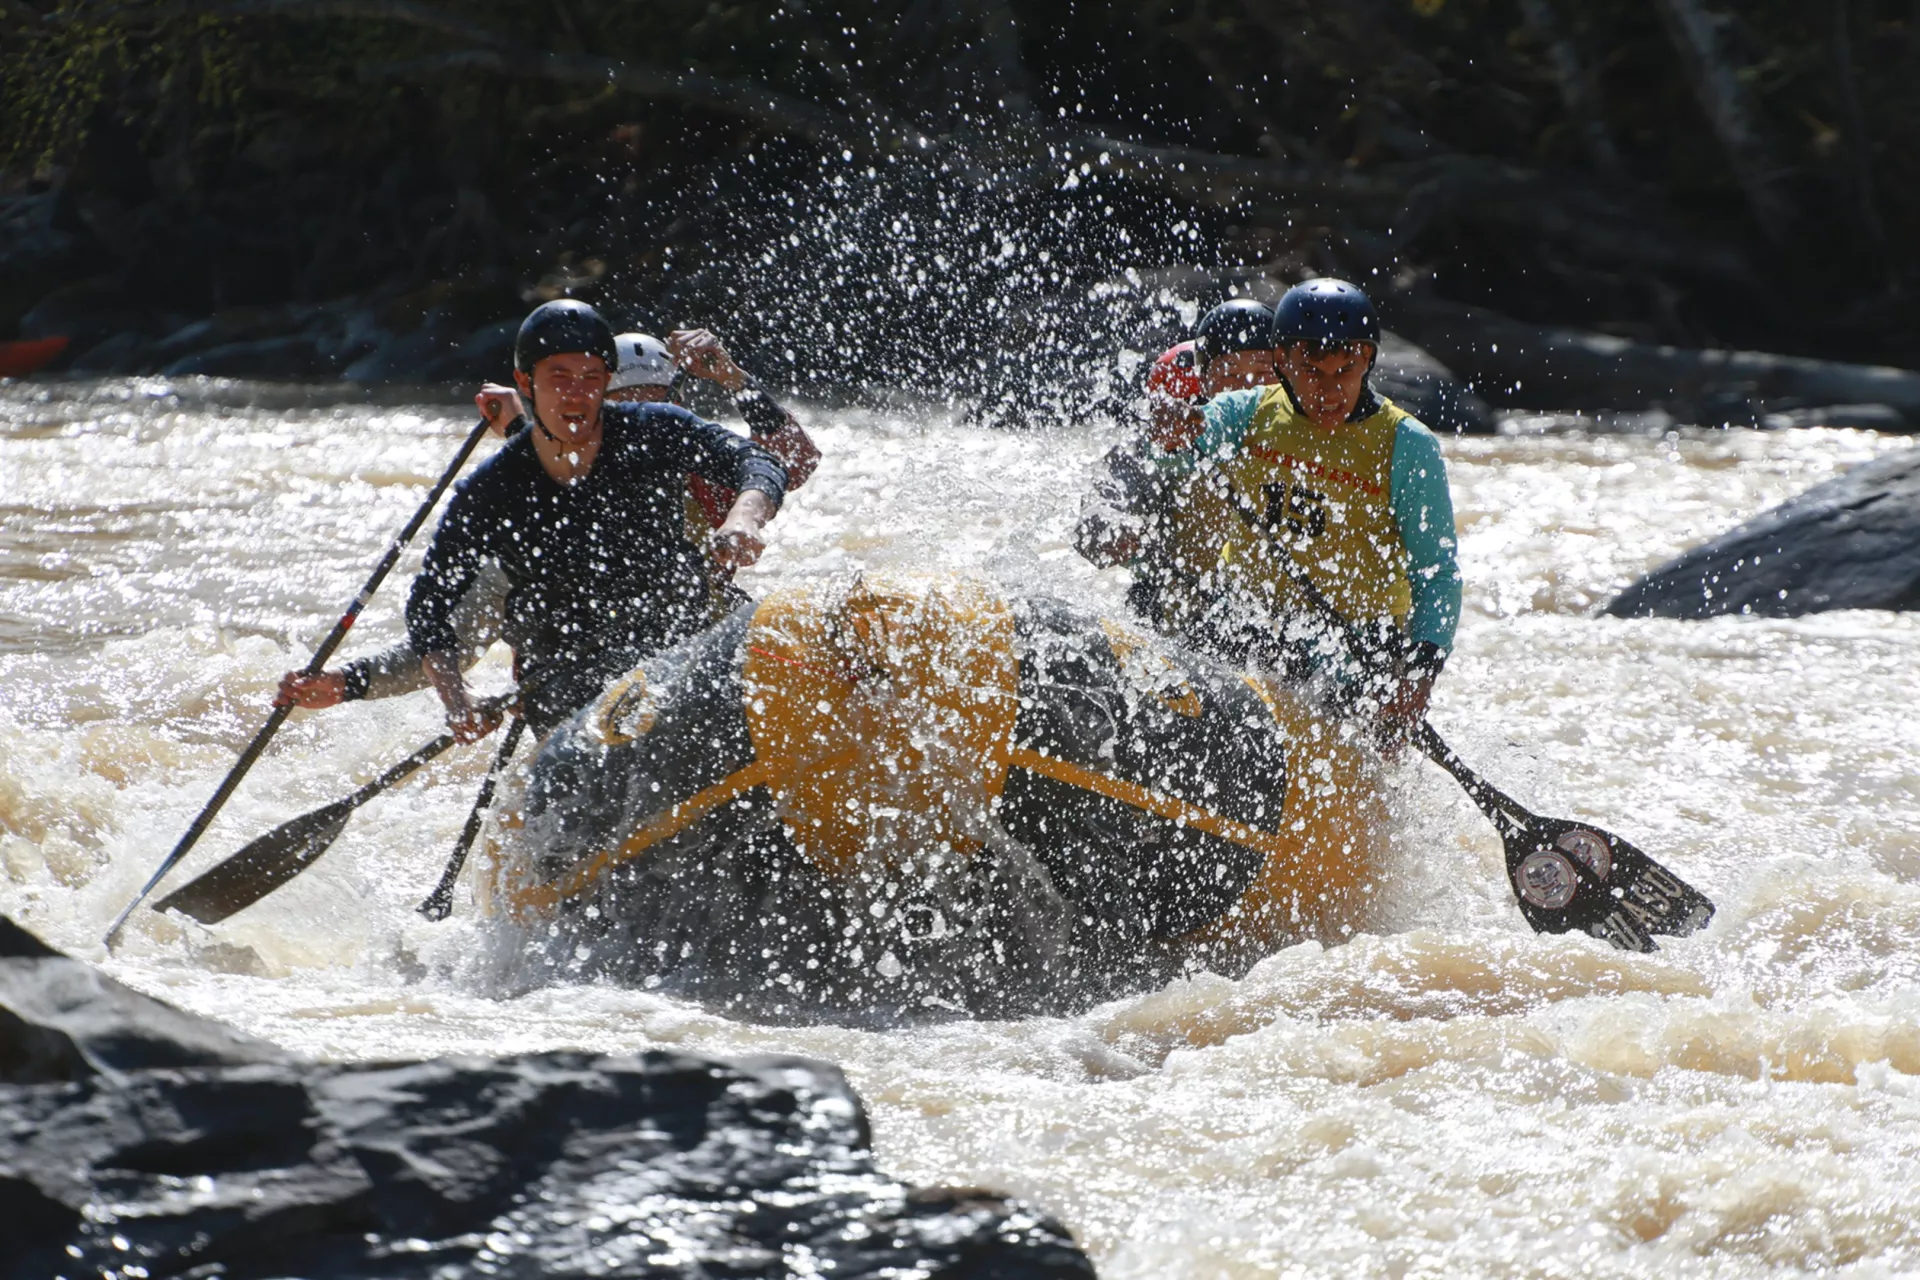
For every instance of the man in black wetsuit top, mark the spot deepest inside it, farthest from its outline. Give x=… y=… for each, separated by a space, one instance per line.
x=585 y=516
x=648 y=370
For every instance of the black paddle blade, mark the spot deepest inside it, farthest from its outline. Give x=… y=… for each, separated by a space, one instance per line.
x=1574 y=877
x=261 y=866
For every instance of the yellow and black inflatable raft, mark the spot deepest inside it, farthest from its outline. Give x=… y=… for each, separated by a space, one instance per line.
x=901 y=797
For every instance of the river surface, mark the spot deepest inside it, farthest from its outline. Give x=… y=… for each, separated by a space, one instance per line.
x=1448 y=1094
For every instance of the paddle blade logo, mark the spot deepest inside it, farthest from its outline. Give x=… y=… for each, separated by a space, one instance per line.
x=1590 y=847
x=1546 y=879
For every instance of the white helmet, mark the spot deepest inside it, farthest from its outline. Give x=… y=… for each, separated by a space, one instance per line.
x=644 y=362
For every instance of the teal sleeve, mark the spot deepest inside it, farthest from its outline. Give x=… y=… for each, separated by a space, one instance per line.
x=1423 y=509
x=1229 y=415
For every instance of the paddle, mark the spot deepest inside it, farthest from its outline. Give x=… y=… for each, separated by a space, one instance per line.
x=263 y=865
x=1574 y=876
x=313 y=668
x=439 y=903
x=1565 y=875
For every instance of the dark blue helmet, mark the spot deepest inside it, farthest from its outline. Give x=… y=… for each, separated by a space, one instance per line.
x=1326 y=311
x=560 y=328
x=1238 y=325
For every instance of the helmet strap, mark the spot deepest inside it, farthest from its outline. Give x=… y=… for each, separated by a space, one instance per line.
x=533 y=411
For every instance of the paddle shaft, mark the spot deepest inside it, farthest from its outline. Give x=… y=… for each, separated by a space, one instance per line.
x=313 y=668
x=399 y=772
x=1501 y=809
x=1624 y=902
x=1509 y=817
x=1513 y=820
x=439 y=903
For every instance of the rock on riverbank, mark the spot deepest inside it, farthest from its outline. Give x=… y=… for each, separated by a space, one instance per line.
x=1851 y=543
x=133 y=1135
x=1411 y=377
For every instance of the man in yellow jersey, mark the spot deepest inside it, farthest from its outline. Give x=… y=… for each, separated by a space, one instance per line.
x=1336 y=502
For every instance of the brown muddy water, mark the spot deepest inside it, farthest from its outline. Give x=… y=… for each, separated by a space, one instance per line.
x=1446 y=1095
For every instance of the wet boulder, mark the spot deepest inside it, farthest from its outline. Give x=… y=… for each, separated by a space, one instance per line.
x=1858 y=417
x=1529 y=366
x=1851 y=543
x=293 y=355
x=403 y=359
x=63 y=1020
x=1414 y=379
x=204 y=1153
x=485 y=356
x=128 y=351
x=38 y=253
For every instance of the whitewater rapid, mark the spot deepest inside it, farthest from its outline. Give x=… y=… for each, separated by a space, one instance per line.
x=1447 y=1095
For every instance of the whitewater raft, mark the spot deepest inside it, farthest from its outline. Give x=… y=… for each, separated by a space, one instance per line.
x=899 y=797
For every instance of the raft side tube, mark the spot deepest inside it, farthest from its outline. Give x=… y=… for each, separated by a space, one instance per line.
x=1008 y=807
x=1100 y=704
x=662 y=749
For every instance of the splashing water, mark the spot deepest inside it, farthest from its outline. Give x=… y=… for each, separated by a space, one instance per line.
x=1447 y=1095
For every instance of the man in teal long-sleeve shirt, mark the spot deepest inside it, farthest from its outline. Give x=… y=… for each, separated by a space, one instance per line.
x=1329 y=484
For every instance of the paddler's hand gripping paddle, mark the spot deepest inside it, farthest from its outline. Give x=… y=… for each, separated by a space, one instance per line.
x=1566 y=876
x=313 y=668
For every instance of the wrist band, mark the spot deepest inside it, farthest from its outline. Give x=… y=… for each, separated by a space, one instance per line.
x=763 y=416
x=1426 y=658
x=356 y=676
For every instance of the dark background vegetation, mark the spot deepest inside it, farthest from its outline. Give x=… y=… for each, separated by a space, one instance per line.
x=960 y=196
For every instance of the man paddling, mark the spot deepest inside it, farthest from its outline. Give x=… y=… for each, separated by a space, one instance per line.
x=647 y=372
x=1334 y=497
x=1148 y=517
x=583 y=514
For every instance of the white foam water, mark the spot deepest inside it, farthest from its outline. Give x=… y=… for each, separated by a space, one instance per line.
x=1448 y=1094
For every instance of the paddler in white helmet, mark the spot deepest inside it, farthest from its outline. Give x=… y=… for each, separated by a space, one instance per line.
x=648 y=370
x=1332 y=498
x=653 y=370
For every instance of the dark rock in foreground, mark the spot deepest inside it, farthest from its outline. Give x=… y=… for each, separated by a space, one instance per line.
x=1851 y=543
x=138 y=1140
x=62 y=1020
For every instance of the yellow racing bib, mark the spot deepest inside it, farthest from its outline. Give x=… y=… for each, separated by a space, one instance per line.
x=1322 y=498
